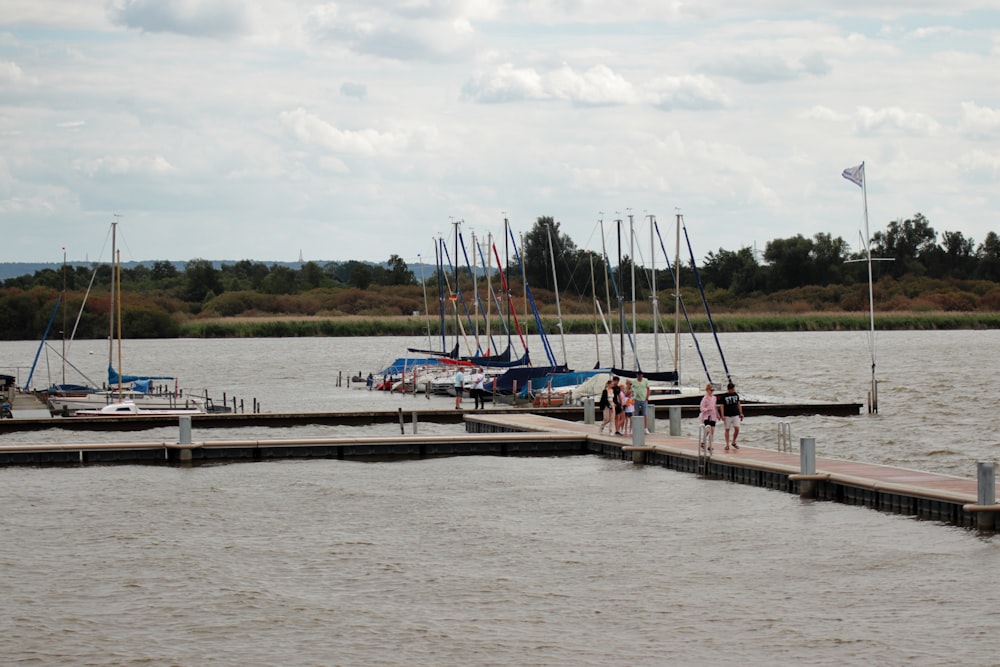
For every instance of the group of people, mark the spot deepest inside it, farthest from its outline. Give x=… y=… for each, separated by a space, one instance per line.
x=618 y=404
x=726 y=408
x=478 y=390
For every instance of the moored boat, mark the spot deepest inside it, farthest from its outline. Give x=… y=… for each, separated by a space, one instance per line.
x=129 y=408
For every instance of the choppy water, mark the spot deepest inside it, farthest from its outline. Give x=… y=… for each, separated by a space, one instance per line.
x=490 y=561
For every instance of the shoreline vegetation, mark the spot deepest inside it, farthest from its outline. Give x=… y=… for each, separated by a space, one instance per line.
x=353 y=325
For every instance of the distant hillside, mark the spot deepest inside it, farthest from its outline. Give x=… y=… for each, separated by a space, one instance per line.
x=16 y=269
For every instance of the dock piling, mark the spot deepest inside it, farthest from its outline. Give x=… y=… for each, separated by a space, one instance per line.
x=588 y=410
x=807 y=477
x=414 y=422
x=638 y=431
x=184 y=438
x=675 y=420
x=651 y=417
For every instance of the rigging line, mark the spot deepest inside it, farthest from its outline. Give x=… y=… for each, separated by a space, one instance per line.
x=460 y=299
x=628 y=331
x=496 y=301
x=549 y=355
x=680 y=301
x=704 y=301
x=511 y=310
x=477 y=301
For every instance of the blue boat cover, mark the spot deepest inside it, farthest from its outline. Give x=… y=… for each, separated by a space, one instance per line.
x=404 y=364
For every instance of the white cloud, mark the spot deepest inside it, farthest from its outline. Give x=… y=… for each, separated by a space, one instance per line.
x=756 y=68
x=979 y=122
x=397 y=35
x=506 y=83
x=890 y=119
x=691 y=92
x=119 y=165
x=197 y=18
x=314 y=131
x=12 y=74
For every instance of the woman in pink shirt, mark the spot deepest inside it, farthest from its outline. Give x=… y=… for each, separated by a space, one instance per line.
x=709 y=414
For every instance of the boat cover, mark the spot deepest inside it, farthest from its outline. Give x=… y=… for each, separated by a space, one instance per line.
x=404 y=364
x=661 y=376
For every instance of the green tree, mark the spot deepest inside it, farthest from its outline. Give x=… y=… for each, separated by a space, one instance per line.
x=537 y=257
x=790 y=262
x=909 y=242
x=200 y=278
x=988 y=255
x=399 y=272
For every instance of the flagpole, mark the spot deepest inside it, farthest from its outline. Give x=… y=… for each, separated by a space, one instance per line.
x=871 y=293
x=856 y=175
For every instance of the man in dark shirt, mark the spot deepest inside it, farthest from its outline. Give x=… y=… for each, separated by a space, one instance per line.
x=732 y=413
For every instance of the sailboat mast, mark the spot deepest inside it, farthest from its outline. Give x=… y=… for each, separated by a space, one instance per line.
x=621 y=303
x=121 y=367
x=64 y=318
x=555 y=284
x=593 y=293
x=677 y=299
x=111 y=305
x=631 y=254
x=652 y=282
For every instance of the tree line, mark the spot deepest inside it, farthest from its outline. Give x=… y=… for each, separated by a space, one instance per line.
x=915 y=271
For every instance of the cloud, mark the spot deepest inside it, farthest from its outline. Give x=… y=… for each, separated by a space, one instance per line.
x=408 y=35
x=980 y=165
x=14 y=75
x=122 y=165
x=873 y=121
x=355 y=90
x=980 y=122
x=756 y=69
x=595 y=86
x=312 y=130
x=506 y=83
x=195 y=18
x=692 y=92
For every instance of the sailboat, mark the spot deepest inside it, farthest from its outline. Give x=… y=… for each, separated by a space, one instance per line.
x=67 y=399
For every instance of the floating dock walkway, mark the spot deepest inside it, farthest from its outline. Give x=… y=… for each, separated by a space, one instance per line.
x=952 y=500
x=38 y=419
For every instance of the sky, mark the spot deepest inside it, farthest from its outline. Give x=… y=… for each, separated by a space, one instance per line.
x=242 y=129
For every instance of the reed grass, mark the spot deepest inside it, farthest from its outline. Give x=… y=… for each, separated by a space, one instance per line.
x=291 y=327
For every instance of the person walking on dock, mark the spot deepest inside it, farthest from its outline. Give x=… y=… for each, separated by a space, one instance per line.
x=459 y=387
x=708 y=414
x=616 y=400
x=478 y=389
x=732 y=413
x=628 y=406
x=606 y=406
x=640 y=388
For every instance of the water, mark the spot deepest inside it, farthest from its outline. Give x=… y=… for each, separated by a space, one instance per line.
x=491 y=561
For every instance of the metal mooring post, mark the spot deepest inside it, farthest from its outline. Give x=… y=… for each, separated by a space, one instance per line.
x=184 y=437
x=675 y=420
x=986 y=494
x=638 y=431
x=588 y=410
x=807 y=476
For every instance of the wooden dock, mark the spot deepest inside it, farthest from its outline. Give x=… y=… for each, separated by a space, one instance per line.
x=931 y=496
x=38 y=419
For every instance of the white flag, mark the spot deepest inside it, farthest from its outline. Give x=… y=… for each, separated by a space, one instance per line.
x=856 y=175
